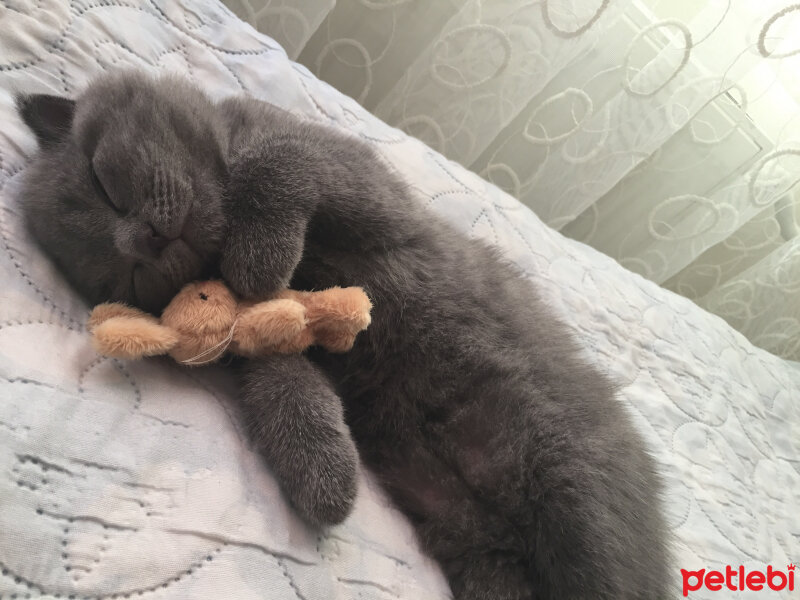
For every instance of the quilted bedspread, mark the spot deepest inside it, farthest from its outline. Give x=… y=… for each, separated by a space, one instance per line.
x=129 y=480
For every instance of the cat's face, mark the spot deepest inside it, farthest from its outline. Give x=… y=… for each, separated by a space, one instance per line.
x=126 y=192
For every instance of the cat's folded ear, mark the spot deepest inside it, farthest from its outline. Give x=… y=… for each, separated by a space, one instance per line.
x=50 y=117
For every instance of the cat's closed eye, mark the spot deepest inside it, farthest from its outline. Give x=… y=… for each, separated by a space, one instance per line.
x=101 y=190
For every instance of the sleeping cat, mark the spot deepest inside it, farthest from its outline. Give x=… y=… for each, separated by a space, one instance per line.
x=521 y=472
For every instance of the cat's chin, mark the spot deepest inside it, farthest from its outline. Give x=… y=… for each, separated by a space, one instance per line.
x=151 y=290
x=154 y=285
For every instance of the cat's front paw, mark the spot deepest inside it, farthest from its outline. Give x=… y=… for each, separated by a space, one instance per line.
x=326 y=489
x=296 y=422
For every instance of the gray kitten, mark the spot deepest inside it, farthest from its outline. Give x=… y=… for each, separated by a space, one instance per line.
x=522 y=473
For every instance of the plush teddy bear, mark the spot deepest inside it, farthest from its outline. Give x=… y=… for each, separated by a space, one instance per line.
x=205 y=320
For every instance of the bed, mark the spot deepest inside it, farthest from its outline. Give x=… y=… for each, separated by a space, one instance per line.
x=134 y=480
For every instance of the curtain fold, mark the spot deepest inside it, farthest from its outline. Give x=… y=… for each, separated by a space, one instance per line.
x=666 y=134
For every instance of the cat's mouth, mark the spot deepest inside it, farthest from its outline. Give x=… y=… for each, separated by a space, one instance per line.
x=154 y=284
x=188 y=258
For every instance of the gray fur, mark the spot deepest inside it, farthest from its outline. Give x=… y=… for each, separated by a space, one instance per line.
x=520 y=470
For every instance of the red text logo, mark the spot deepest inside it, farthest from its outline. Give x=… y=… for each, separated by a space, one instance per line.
x=738 y=579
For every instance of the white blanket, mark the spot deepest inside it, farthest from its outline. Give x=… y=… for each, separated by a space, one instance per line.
x=133 y=480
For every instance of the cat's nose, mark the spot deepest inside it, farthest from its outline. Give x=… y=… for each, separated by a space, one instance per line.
x=150 y=242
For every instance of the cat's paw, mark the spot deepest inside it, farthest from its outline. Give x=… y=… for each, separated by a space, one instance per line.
x=325 y=490
x=296 y=422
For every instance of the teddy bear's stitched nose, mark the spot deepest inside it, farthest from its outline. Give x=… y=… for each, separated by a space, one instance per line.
x=203 y=296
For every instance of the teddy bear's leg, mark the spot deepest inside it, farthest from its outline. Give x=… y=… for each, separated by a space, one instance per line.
x=108 y=310
x=296 y=421
x=337 y=315
x=341 y=305
x=335 y=339
x=132 y=338
x=275 y=326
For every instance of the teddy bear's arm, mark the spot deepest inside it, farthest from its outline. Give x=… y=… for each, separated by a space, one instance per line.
x=335 y=315
x=104 y=312
x=349 y=305
x=274 y=326
x=132 y=337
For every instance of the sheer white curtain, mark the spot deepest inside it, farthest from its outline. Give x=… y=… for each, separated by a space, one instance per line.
x=663 y=133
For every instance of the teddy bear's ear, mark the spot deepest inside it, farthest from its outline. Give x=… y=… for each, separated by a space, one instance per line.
x=132 y=337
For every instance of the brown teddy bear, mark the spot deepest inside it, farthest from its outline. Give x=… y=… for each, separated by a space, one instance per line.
x=205 y=320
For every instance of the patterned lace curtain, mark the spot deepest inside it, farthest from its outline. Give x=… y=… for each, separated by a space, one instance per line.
x=663 y=133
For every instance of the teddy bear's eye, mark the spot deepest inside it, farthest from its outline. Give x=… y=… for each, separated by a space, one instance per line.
x=203 y=296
